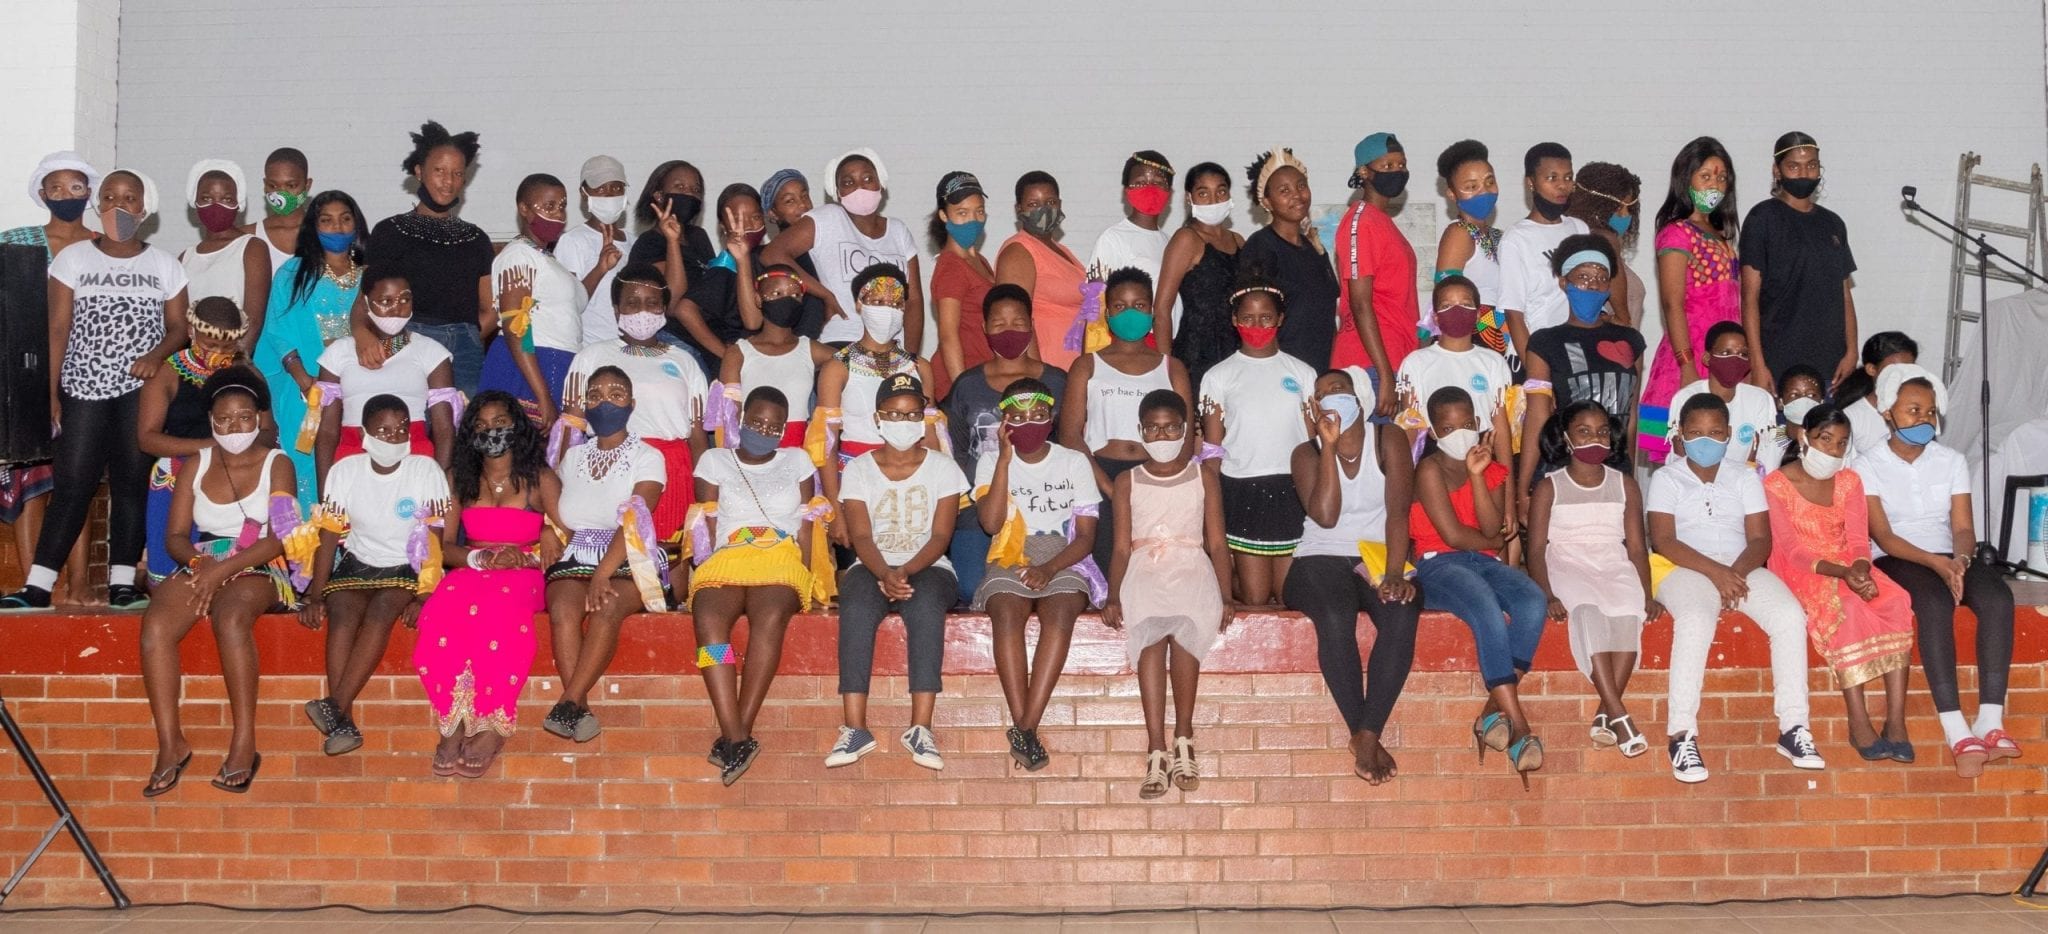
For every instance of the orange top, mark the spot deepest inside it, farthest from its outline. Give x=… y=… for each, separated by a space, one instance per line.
x=1055 y=297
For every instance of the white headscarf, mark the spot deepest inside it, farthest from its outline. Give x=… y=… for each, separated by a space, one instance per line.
x=1892 y=377
x=149 y=199
x=223 y=166
x=1361 y=386
x=63 y=161
x=832 y=168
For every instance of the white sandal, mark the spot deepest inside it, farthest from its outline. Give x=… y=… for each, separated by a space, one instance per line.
x=1185 y=776
x=1154 y=785
x=1633 y=743
x=1602 y=732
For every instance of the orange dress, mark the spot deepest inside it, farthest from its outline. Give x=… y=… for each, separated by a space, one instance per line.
x=1055 y=297
x=1860 y=639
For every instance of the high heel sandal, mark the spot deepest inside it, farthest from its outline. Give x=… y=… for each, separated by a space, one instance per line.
x=1154 y=786
x=1602 y=732
x=1633 y=743
x=1526 y=754
x=1490 y=731
x=1183 y=772
x=2002 y=745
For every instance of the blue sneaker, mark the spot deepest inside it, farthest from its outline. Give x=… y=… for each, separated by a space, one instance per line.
x=853 y=744
x=923 y=747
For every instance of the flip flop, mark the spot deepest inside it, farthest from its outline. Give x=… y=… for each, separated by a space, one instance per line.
x=242 y=787
x=176 y=772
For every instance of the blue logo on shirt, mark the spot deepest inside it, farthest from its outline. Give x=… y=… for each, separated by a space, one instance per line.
x=1479 y=383
x=1745 y=434
x=1292 y=385
x=407 y=507
x=668 y=369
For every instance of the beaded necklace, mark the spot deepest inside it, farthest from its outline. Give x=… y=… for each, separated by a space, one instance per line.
x=396 y=343
x=1484 y=236
x=345 y=281
x=600 y=461
x=636 y=350
x=190 y=368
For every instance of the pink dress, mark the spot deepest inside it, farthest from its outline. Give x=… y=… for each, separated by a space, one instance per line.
x=1713 y=294
x=476 y=640
x=1169 y=587
x=1860 y=639
x=1590 y=570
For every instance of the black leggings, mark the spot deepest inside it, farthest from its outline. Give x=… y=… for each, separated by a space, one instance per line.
x=99 y=438
x=1105 y=525
x=1327 y=590
x=1934 y=610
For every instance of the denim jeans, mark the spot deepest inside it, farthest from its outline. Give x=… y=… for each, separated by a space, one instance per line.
x=969 y=553
x=861 y=608
x=465 y=343
x=1502 y=605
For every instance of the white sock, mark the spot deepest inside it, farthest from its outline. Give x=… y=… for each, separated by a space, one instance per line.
x=1990 y=717
x=42 y=578
x=121 y=577
x=1954 y=727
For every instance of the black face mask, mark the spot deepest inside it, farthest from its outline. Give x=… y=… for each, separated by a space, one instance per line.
x=66 y=209
x=1390 y=184
x=685 y=208
x=492 y=442
x=436 y=206
x=1801 y=188
x=783 y=312
x=1551 y=210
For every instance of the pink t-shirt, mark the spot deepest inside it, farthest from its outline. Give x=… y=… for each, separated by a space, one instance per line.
x=1368 y=244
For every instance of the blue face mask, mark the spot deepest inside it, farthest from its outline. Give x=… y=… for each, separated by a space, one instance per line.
x=337 y=242
x=1916 y=435
x=1479 y=205
x=608 y=418
x=1346 y=406
x=758 y=444
x=1620 y=223
x=966 y=235
x=1586 y=303
x=1706 y=452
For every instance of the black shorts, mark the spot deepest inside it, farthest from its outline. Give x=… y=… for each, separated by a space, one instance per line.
x=1262 y=515
x=350 y=573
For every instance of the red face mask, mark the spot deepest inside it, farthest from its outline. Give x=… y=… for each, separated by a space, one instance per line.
x=546 y=230
x=216 y=217
x=1728 y=370
x=1009 y=345
x=1030 y=436
x=1256 y=338
x=1148 y=200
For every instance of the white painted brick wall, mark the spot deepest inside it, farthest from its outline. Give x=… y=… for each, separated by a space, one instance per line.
x=37 y=89
x=1893 y=88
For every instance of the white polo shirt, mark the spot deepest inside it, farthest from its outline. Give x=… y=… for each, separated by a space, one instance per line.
x=1917 y=494
x=1709 y=516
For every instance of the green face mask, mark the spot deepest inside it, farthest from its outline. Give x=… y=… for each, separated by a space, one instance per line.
x=1706 y=201
x=1130 y=324
x=281 y=203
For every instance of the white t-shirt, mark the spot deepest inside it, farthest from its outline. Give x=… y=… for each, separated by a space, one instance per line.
x=1048 y=492
x=1261 y=399
x=1127 y=244
x=220 y=273
x=117 y=315
x=558 y=296
x=1867 y=430
x=841 y=251
x=382 y=509
x=900 y=511
x=668 y=389
x=1479 y=371
x=593 y=502
x=1528 y=284
x=1751 y=417
x=578 y=251
x=403 y=375
x=768 y=494
x=1916 y=495
x=1709 y=517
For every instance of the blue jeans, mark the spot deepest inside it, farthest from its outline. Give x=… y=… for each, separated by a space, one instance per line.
x=1502 y=605
x=465 y=343
x=969 y=553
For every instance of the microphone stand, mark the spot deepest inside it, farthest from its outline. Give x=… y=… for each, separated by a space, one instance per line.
x=1989 y=553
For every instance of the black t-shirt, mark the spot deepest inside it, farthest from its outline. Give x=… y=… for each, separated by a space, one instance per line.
x=1597 y=363
x=1305 y=276
x=441 y=258
x=1802 y=259
x=652 y=247
x=971 y=415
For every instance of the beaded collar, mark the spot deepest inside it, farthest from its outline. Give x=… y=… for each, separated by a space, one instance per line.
x=446 y=231
x=190 y=368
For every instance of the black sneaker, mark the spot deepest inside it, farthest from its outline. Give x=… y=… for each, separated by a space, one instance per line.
x=127 y=597
x=324 y=714
x=561 y=719
x=25 y=600
x=721 y=751
x=1020 y=747
x=1796 y=745
x=1038 y=755
x=740 y=757
x=1686 y=764
x=345 y=738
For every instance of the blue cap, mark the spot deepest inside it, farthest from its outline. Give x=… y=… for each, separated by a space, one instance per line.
x=1371 y=148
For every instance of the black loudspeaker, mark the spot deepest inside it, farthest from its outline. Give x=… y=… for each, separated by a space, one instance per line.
x=24 y=353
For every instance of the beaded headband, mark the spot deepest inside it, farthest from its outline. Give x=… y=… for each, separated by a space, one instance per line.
x=216 y=332
x=1602 y=194
x=882 y=290
x=767 y=274
x=1161 y=166
x=1279 y=158
x=1813 y=146
x=1240 y=293
x=1023 y=400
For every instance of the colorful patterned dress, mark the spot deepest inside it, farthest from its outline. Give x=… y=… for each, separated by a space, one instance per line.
x=1860 y=639
x=476 y=640
x=1713 y=294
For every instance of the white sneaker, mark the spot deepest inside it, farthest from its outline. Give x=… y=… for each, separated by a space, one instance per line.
x=1796 y=744
x=923 y=747
x=1686 y=765
x=853 y=744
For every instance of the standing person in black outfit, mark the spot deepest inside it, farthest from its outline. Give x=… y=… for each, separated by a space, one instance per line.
x=1796 y=269
x=445 y=260
x=1289 y=254
x=1200 y=270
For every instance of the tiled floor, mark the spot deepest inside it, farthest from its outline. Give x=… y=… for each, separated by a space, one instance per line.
x=1980 y=914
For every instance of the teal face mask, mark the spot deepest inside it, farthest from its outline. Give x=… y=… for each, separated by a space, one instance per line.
x=1130 y=324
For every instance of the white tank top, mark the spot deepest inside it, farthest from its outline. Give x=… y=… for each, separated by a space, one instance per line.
x=1113 y=398
x=792 y=373
x=1483 y=270
x=224 y=520
x=1361 y=512
x=218 y=273
x=840 y=251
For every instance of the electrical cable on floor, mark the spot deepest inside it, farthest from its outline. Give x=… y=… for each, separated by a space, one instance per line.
x=947 y=916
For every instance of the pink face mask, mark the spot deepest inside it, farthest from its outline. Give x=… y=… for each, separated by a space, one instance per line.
x=861 y=202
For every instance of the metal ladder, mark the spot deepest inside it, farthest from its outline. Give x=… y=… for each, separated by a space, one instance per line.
x=1963 y=265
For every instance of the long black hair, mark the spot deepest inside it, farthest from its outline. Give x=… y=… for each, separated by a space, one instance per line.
x=1823 y=415
x=1678 y=200
x=1555 y=443
x=529 y=449
x=1859 y=382
x=313 y=257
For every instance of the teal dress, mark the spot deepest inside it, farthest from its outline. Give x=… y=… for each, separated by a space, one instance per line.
x=305 y=327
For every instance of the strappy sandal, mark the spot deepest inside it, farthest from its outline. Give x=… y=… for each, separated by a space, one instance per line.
x=176 y=773
x=1154 y=786
x=1490 y=731
x=1632 y=741
x=2002 y=745
x=1970 y=755
x=1183 y=772
x=1526 y=754
x=1602 y=732
x=224 y=781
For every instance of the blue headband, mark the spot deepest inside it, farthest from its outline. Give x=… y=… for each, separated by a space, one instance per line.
x=1583 y=257
x=774 y=185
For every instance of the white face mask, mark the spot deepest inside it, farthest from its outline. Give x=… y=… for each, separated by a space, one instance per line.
x=1458 y=443
x=385 y=453
x=234 y=443
x=607 y=209
x=901 y=435
x=1210 y=213
x=641 y=325
x=1164 y=451
x=1819 y=464
x=390 y=326
x=1795 y=411
x=882 y=322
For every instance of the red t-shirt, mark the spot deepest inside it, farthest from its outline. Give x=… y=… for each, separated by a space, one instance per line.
x=1425 y=535
x=954 y=277
x=1368 y=244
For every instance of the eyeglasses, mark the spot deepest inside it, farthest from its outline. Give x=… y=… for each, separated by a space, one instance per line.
x=1171 y=432
x=911 y=416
